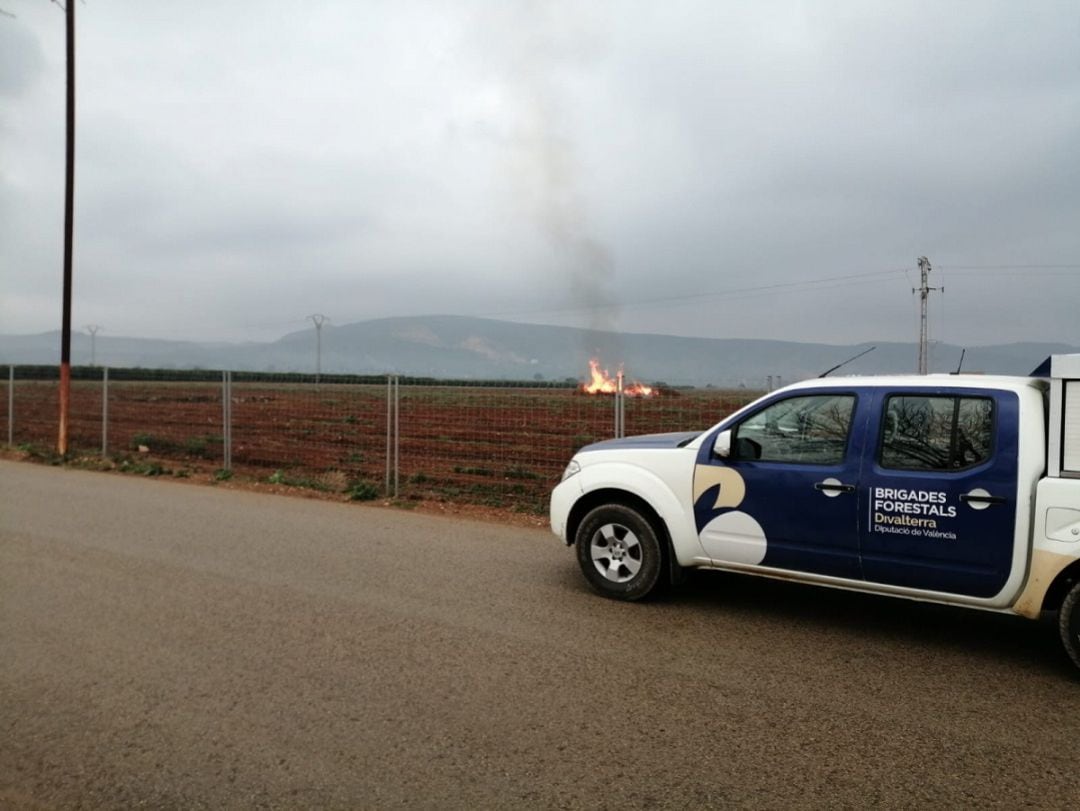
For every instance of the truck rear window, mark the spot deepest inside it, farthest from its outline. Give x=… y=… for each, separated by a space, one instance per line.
x=935 y=432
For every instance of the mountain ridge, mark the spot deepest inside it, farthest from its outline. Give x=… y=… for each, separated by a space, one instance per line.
x=462 y=347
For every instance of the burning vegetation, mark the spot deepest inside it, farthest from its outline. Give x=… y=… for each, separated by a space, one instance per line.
x=603 y=383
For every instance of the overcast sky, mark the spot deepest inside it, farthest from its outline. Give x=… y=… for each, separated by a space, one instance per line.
x=767 y=169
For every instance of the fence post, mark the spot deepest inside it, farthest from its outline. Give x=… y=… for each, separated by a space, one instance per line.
x=397 y=433
x=226 y=419
x=389 y=424
x=105 y=412
x=230 y=403
x=620 y=412
x=11 y=406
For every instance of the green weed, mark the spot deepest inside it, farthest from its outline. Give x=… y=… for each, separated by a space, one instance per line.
x=474 y=471
x=521 y=473
x=363 y=491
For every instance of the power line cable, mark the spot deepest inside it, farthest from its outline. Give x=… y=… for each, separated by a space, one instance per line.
x=971 y=268
x=807 y=285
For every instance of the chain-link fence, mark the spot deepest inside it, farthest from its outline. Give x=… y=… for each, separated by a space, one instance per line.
x=493 y=443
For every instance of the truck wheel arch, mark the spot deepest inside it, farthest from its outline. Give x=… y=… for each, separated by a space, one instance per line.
x=596 y=498
x=1065 y=580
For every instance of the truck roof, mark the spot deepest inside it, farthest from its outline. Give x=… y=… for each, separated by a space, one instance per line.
x=970 y=381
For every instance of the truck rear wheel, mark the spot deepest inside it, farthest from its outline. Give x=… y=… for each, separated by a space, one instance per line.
x=619 y=552
x=1069 y=623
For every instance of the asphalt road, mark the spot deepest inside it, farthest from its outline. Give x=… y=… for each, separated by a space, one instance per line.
x=177 y=646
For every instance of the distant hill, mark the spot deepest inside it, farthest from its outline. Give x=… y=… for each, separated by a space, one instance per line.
x=476 y=348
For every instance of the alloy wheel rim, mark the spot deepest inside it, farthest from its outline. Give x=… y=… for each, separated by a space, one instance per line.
x=616 y=552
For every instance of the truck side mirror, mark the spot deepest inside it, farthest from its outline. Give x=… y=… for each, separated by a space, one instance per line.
x=722 y=444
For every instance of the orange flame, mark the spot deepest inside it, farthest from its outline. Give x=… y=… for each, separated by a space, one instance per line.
x=603 y=383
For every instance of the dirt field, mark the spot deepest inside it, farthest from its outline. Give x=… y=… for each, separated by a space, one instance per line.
x=494 y=446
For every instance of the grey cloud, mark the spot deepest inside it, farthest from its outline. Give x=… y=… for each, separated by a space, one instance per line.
x=593 y=159
x=21 y=59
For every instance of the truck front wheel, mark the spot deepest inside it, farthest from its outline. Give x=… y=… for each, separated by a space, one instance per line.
x=619 y=552
x=1069 y=623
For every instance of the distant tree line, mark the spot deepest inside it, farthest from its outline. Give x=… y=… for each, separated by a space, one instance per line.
x=51 y=372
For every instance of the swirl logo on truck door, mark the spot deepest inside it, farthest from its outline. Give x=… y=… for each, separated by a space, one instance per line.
x=731 y=536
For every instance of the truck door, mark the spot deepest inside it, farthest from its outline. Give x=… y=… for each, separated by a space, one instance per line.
x=787 y=494
x=940 y=489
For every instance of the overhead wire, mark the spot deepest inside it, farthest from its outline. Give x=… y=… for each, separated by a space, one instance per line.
x=739 y=293
x=806 y=285
x=1000 y=268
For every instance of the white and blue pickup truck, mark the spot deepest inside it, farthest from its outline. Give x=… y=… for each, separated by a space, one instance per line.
x=958 y=489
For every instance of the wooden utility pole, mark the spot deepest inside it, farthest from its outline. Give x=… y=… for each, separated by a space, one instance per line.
x=69 y=216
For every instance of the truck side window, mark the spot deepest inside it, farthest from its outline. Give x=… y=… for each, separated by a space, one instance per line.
x=933 y=432
x=808 y=430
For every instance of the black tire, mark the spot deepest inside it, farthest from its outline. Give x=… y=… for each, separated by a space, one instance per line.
x=619 y=552
x=1069 y=624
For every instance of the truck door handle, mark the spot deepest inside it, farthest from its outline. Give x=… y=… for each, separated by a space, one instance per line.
x=834 y=487
x=978 y=498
